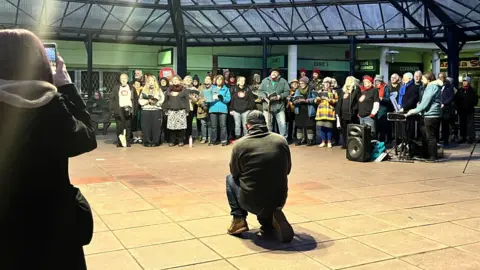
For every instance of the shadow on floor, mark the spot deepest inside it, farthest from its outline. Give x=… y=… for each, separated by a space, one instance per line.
x=301 y=242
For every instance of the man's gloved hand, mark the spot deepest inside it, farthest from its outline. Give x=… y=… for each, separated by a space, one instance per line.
x=220 y=97
x=411 y=112
x=272 y=98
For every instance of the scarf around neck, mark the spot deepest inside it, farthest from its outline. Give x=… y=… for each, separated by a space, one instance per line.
x=176 y=88
x=381 y=90
x=303 y=91
x=402 y=92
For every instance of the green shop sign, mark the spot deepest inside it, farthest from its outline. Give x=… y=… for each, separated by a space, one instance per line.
x=276 y=61
x=326 y=65
x=366 y=65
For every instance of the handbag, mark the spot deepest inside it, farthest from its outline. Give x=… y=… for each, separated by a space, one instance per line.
x=84 y=218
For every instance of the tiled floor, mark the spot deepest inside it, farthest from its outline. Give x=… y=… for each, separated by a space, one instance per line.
x=163 y=208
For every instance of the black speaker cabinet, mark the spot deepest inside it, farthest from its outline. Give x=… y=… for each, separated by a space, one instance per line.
x=359 y=143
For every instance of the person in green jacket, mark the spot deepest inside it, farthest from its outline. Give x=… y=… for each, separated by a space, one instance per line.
x=274 y=90
x=430 y=108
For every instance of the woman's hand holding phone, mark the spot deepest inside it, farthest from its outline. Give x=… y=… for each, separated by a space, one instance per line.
x=60 y=75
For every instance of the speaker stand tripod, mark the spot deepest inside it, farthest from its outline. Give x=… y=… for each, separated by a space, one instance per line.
x=403 y=153
x=470 y=157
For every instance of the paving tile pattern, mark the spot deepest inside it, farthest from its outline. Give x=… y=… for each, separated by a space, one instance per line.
x=166 y=208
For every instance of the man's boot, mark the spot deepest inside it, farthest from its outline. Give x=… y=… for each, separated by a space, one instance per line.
x=238 y=226
x=284 y=229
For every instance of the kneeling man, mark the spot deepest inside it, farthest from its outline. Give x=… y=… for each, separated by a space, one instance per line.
x=258 y=182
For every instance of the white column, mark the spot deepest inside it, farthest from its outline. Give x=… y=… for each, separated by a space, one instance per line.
x=292 y=62
x=384 y=63
x=435 y=63
x=174 y=64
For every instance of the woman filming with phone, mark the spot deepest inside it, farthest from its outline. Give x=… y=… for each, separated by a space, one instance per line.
x=43 y=122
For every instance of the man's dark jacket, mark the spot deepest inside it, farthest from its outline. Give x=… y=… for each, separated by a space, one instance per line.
x=261 y=162
x=411 y=97
x=466 y=100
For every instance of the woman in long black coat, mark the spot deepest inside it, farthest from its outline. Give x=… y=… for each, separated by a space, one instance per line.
x=43 y=122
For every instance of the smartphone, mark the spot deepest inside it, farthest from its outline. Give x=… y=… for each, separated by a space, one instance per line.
x=51 y=49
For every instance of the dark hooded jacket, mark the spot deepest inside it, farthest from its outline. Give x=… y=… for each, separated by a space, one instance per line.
x=40 y=129
x=466 y=99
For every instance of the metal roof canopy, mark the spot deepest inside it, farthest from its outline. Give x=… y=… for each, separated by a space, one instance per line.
x=245 y=22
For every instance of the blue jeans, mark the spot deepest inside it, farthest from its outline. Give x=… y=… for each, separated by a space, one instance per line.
x=326 y=134
x=368 y=121
x=218 y=120
x=281 y=121
x=233 y=196
x=240 y=210
x=204 y=126
x=240 y=121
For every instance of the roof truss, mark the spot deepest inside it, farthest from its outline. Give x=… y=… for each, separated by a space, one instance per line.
x=240 y=23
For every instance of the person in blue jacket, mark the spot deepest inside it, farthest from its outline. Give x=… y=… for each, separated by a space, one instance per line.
x=431 y=108
x=218 y=110
x=305 y=111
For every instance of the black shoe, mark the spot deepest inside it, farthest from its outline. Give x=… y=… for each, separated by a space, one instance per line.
x=298 y=143
x=119 y=145
x=181 y=144
x=171 y=144
x=224 y=144
x=284 y=230
x=310 y=143
x=128 y=145
x=344 y=147
x=267 y=230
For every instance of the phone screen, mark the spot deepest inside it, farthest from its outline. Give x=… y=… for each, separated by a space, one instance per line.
x=51 y=50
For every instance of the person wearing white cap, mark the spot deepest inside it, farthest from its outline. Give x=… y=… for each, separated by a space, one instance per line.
x=466 y=99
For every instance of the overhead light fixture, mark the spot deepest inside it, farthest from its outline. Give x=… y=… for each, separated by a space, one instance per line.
x=392 y=55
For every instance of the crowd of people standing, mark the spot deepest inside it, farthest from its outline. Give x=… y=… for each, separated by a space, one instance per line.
x=299 y=110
